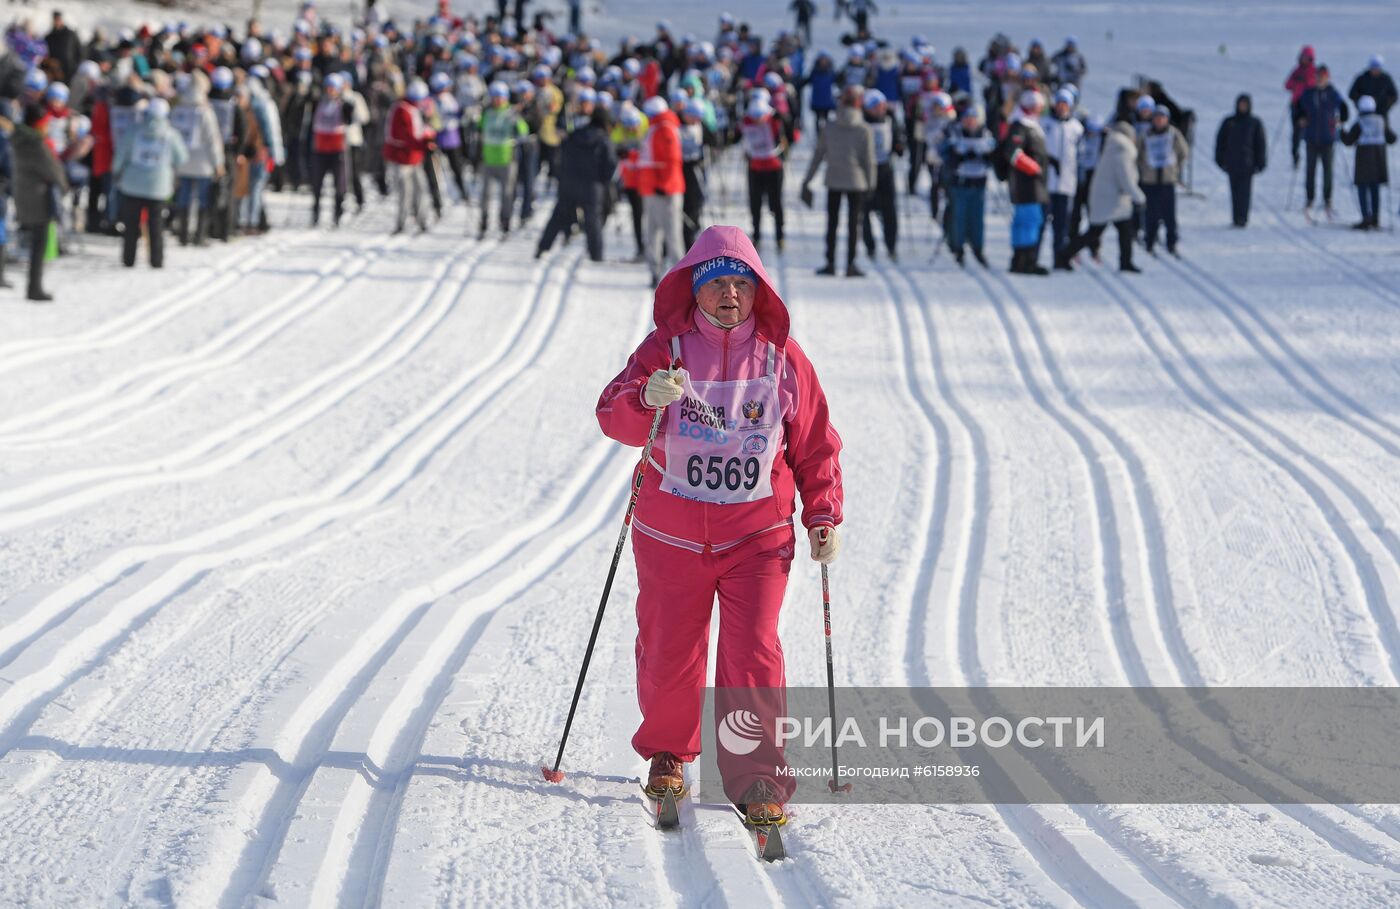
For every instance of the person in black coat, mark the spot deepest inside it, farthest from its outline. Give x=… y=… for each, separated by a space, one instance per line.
x=586 y=165
x=1370 y=134
x=1376 y=83
x=1240 y=151
x=64 y=46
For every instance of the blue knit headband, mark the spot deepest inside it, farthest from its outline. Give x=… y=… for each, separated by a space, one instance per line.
x=718 y=267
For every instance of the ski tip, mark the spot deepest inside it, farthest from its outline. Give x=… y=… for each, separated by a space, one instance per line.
x=844 y=787
x=668 y=812
x=554 y=776
x=770 y=844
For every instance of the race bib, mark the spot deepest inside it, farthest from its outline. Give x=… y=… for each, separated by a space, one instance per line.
x=1160 y=153
x=884 y=139
x=1372 y=130
x=223 y=112
x=148 y=151
x=722 y=438
x=185 y=119
x=758 y=140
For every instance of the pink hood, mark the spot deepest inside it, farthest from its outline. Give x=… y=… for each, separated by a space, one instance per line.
x=674 y=306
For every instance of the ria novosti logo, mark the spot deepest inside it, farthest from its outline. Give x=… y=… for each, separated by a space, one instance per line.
x=740 y=732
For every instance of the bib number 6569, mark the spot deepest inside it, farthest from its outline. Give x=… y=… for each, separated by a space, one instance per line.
x=716 y=472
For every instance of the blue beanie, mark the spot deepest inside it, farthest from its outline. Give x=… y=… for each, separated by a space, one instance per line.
x=718 y=267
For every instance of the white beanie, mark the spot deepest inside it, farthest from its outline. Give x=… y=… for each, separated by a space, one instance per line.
x=1366 y=104
x=655 y=106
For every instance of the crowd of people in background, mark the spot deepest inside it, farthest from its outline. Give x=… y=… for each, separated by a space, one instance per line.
x=186 y=128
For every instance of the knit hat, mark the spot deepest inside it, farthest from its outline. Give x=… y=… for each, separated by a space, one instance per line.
x=1031 y=100
x=655 y=106
x=1376 y=62
x=1366 y=104
x=1064 y=96
x=718 y=267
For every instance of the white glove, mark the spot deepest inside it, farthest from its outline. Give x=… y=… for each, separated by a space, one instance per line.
x=825 y=543
x=662 y=388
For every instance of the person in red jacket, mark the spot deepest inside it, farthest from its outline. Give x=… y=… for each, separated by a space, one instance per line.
x=330 y=122
x=406 y=142
x=764 y=147
x=1303 y=77
x=746 y=427
x=103 y=151
x=661 y=183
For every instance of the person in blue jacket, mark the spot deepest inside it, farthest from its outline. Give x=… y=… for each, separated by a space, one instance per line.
x=821 y=97
x=145 y=166
x=888 y=71
x=960 y=73
x=1323 y=110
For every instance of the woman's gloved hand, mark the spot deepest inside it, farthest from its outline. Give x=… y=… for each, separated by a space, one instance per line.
x=664 y=387
x=825 y=543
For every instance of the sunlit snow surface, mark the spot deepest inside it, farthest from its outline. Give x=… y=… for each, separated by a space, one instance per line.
x=301 y=538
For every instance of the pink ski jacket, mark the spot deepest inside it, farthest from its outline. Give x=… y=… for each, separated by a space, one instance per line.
x=810 y=461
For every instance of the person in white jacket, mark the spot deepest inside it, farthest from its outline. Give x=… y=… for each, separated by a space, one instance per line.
x=1062 y=135
x=194 y=119
x=355 y=138
x=1113 y=192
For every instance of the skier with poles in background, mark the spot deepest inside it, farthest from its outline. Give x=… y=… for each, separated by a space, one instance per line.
x=1323 y=109
x=746 y=426
x=1302 y=78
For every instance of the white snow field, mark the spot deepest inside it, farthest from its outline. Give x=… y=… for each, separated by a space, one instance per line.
x=301 y=538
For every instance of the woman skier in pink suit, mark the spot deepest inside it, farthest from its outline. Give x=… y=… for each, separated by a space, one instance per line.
x=746 y=427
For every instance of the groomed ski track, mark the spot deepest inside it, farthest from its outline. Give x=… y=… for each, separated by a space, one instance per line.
x=300 y=543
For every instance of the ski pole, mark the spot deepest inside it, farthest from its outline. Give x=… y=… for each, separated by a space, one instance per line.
x=830 y=679
x=555 y=775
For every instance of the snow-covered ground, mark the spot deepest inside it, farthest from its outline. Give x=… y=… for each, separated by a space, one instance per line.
x=301 y=539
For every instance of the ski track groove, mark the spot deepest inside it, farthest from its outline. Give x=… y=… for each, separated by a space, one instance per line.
x=1050 y=852
x=360 y=845
x=251 y=434
x=142 y=319
x=1367 y=575
x=230 y=345
x=1198 y=279
x=797 y=882
x=1347 y=842
x=1106 y=871
x=432 y=683
x=915 y=656
x=356 y=860
x=21 y=702
x=1179 y=663
x=51 y=611
x=310 y=731
x=1344 y=266
x=195 y=742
